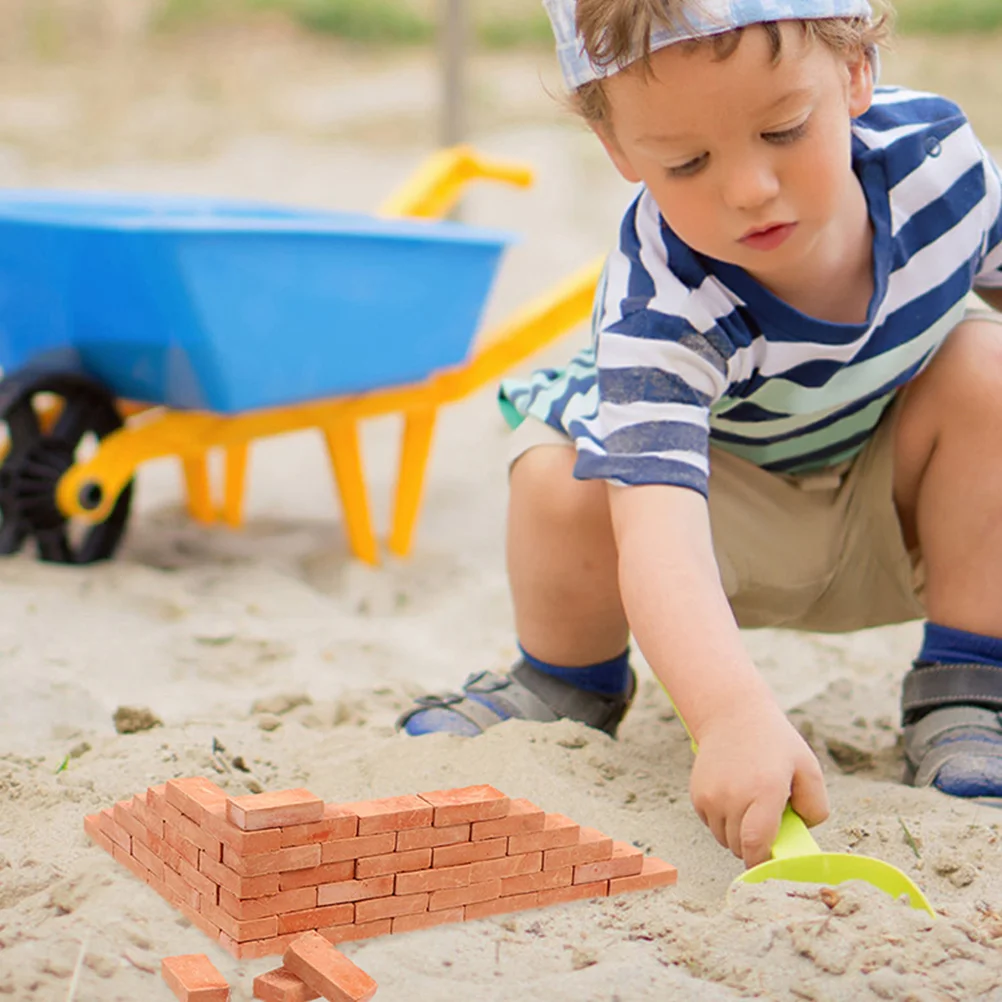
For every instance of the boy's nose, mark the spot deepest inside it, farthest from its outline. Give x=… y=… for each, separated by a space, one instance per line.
x=750 y=185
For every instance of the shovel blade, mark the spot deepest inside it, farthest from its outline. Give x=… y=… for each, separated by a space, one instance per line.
x=836 y=868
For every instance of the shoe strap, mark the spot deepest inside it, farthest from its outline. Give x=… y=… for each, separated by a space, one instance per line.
x=930 y=685
x=967 y=730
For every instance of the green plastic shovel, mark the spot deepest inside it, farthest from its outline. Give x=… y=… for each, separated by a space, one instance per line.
x=798 y=858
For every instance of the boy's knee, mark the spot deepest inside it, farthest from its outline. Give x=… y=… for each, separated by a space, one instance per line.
x=543 y=480
x=966 y=374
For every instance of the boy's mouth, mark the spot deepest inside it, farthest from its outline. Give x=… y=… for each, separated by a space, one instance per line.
x=767 y=238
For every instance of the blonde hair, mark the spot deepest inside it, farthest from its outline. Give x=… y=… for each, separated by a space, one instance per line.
x=614 y=32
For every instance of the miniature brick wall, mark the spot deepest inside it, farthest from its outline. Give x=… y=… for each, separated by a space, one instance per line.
x=255 y=872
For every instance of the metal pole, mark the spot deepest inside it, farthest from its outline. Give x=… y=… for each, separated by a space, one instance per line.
x=455 y=36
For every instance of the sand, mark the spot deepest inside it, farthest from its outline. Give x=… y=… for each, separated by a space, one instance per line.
x=273 y=660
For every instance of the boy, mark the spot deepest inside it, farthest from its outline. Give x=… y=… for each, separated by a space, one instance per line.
x=789 y=417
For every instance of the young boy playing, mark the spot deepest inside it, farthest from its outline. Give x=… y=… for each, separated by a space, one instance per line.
x=789 y=415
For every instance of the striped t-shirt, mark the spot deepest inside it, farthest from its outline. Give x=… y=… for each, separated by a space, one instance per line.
x=690 y=351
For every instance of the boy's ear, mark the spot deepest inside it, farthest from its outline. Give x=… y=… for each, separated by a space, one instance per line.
x=608 y=139
x=861 y=84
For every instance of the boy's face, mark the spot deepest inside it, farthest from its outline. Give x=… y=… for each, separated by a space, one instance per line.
x=748 y=161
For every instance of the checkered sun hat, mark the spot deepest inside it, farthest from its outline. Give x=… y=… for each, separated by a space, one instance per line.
x=706 y=17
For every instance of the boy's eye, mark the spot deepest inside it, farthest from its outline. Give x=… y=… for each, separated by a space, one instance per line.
x=689 y=168
x=786 y=135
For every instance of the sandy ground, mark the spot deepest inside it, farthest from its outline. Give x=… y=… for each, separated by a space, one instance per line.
x=270 y=648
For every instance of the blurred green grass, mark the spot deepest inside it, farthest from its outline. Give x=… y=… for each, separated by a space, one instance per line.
x=514 y=23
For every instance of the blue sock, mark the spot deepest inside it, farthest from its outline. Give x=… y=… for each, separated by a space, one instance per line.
x=610 y=677
x=952 y=647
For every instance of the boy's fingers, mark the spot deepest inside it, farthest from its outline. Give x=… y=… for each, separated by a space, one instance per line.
x=759 y=829
x=809 y=797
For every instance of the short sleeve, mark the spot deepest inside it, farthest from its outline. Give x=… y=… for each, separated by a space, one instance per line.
x=989 y=267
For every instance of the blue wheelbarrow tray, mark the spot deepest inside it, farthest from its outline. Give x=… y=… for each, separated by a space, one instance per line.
x=232 y=306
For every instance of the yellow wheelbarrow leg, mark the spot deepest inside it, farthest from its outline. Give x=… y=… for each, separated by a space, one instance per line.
x=198 y=489
x=235 y=462
x=419 y=426
x=346 y=460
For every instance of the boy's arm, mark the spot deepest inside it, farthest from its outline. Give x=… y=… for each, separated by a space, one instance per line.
x=751 y=760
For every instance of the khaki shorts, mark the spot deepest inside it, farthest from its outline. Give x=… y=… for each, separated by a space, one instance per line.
x=821 y=552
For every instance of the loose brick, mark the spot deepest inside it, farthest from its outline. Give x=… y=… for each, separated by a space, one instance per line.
x=393 y=862
x=337 y=822
x=240 y=930
x=391 y=814
x=425 y=920
x=349 y=933
x=523 y=817
x=592 y=847
x=445 y=878
x=281 y=985
x=92 y=826
x=254 y=949
x=314 y=960
x=297 y=857
x=373 y=909
x=484 y=891
x=558 y=831
x=627 y=861
x=469 y=852
x=542 y=881
x=357 y=848
x=655 y=873
x=576 y=892
x=355 y=890
x=507 y=866
x=276 y=809
x=316 y=918
x=194 y=796
x=273 y=904
x=431 y=838
x=242 y=887
x=469 y=803
x=326 y=873
x=194 y=978
x=502 y=905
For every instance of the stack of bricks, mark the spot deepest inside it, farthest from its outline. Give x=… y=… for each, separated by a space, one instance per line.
x=255 y=872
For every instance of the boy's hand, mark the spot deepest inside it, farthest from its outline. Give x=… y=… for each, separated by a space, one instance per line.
x=751 y=761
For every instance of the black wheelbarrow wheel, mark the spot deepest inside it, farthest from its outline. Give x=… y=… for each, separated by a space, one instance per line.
x=51 y=420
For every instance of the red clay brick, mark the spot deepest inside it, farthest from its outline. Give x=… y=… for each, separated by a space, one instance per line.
x=354 y=890
x=338 y=822
x=592 y=847
x=92 y=826
x=577 y=892
x=168 y=854
x=181 y=888
x=348 y=933
x=655 y=873
x=194 y=978
x=244 y=843
x=507 y=866
x=523 y=817
x=425 y=920
x=373 y=909
x=444 y=878
x=150 y=821
x=502 y=905
x=156 y=799
x=240 y=929
x=197 y=835
x=391 y=814
x=194 y=796
x=313 y=959
x=357 y=848
x=393 y=862
x=242 y=887
x=296 y=857
x=207 y=888
x=469 y=803
x=469 y=852
x=130 y=862
x=254 y=949
x=198 y=920
x=627 y=861
x=184 y=847
x=148 y=858
x=276 y=809
x=273 y=904
x=558 y=831
x=124 y=818
x=432 y=838
x=281 y=985
x=487 y=890
x=541 y=881
x=114 y=831
x=326 y=873
x=316 y=918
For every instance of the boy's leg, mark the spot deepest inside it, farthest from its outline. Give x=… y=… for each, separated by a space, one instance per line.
x=562 y=570
x=948 y=492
